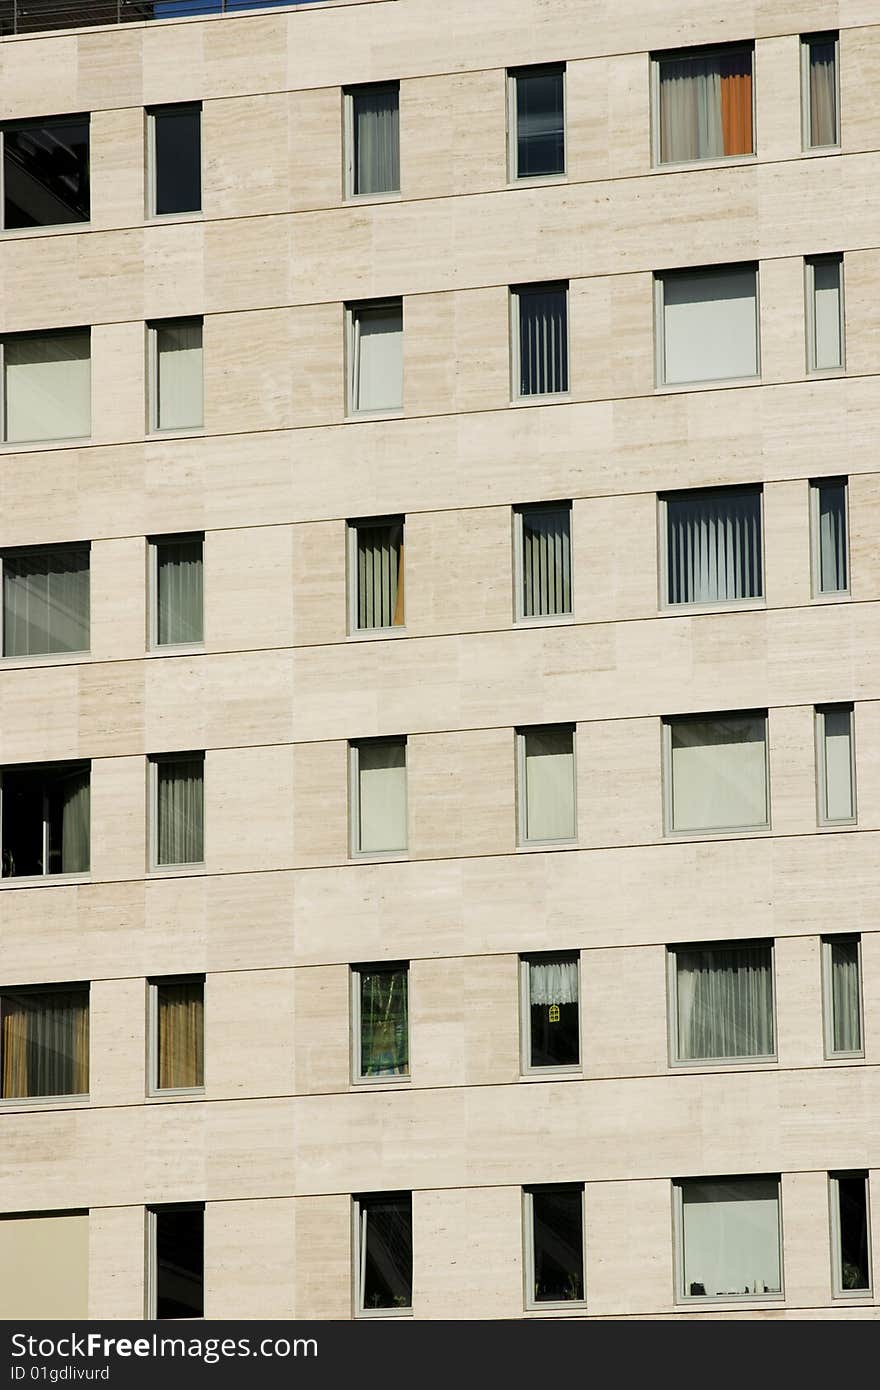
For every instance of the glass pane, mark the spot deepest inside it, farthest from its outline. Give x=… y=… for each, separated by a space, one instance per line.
x=46 y=173
x=554 y=1026
x=382 y=793
x=837 y=750
x=713 y=547
x=725 y=1002
x=833 y=560
x=180 y=593
x=719 y=773
x=546 y=562
x=180 y=837
x=852 y=1200
x=180 y=1035
x=179 y=370
x=377 y=366
x=180 y=1264
x=386 y=1230
x=46 y=602
x=376 y=141
x=540 y=133
x=827 y=345
x=44 y=1042
x=67 y=794
x=823 y=92
x=846 y=996
x=731 y=1237
x=706 y=106
x=48 y=387
x=549 y=790
x=46 y=821
x=384 y=1028
x=557 y=1215
x=380 y=575
x=710 y=325
x=178 y=154
x=543 y=340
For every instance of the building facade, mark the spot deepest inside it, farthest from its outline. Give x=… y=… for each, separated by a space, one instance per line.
x=438 y=711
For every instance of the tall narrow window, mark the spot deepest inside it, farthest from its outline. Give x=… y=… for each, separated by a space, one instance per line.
x=842 y=990
x=375 y=356
x=376 y=573
x=176 y=358
x=178 y=801
x=177 y=1022
x=824 y=286
x=378 y=796
x=546 y=783
x=542 y=536
x=373 y=140
x=835 y=764
x=176 y=1267
x=44 y=1041
x=704 y=104
x=45 y=171
x=46 y=820
x=851 y=1233
x=45 y=600
x=716 y=768
x=723 y=1001
x=828 y=504
x=728 y=1238
x=177 y=597
x=175 y=145
x=46 y=385
x=381 y=1032
x=549 y=986
x=383 y=1253
x=713 y=546
x=554 y=1217
x=540 y=339
x=821 y=90
x=537 y=121
x=707 y=323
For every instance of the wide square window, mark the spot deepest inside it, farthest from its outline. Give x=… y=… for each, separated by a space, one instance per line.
x=45 y=600
x=176 y=374
x=378 y=796
x=842 y=993
x=376 y=573
x=44 y=1041
x=44 y=1266
x=175 y=159
x=47 y=385
x=383 y=1253
x=707 y=323
x=542 y=560
x=716 y=766
x=381 y=1022
x=823 y=278
x=703 y=101
x=45 y=171
x=537 y=121
x=554 y=1219
x=722 y=1001
x=46 y=819
x=713 y=546
x=850 y=1233
x=176 y=1261
x=540 y=339
x=830 y=536
x=546 y=783
x=177 y=1034
x=375 y=356
x=728 y=1238
x=550 y=992
x=821 y=90
x=373 y=140
x=177 y=795
x=835 y=764
x=177 y=594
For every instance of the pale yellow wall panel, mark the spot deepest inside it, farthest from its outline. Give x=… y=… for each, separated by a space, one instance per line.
x=861 y=274
x=460 y=118
x=320 y=1008
x=248 y=809
x=248 y=263
x=117 y=1250
x=249 y=371
x=782 y=335
x=249 y=587
x=118 y=598
x=249 y=1033
x=322 y=1257
x=233 y=52
x=175 y=261
x=864 y=517
x=614 y=545
x=623 y=1013
x=173 y=63
x=110 y=708
x=117 y=145
x=629 y=1267
x=806 y=1239
x=459 y=570
x=249 y=1259
x=45 y=1264
x=119 y=398
x=317 y=366
x=314 y=149
x=460 y=793
x=320 y=803
x=117 y=1042
x=798 y=985
x=859 y=73
x=777 y=90
x=467 y=1253
x=465 y=1021
x=456 y=352
x=791 y=737
x=245 y=141
x=786 y=522
x=619 y=782
x=319 y=583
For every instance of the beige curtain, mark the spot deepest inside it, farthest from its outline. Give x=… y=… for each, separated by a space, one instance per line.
x=181 y=1035
x=45 y=1043
x=823 y=93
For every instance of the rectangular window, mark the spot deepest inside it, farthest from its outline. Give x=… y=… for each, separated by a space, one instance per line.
x=547 y=797
x=177 y=593
x=823 y=277
x=45 y=600
x=383 y=1253
x=175 y=159
x=536 y=118
x=47 y=385
x=176 y=374
x=542 y=544
x=539 y=316
x=44 y=1266
x=707 y=323
x=713 y=546
x=850 y=1233
x=44 y=1041
x=378 y=796
x=821 y=90
x=550 y=990
x=703 y=104
x=828 y=507
x=46 y=822
x=716 y=768
x=835 y=763
x=176 y=1265
x=45 y=171
x=842 y=995
x=177 y=1034
x=554 y=1263
x=381 y=1021
x=375 y=356
x=376 y=573
x=178 y=809
x=722 y=998
x=728 y=1238
x=372 y=116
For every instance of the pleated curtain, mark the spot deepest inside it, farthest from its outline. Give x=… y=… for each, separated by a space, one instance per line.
x=179 y=571
x=846 y=1017
x=543 y=340
x=75 y=793
x=384 y=1030
x=45 y=1043
x=376 y=140
x=549 y=790
x=48 y=386
x=179 y=366
x=823 y=93
x=706 y=106
x=731 y=1237
x=833 y=567
x=180 y=811
x=553 y=982
x=714 y=547
x=725 y=1002
x=380 y=575
x=382 y=797
x=546 y=562
x=181 y=1035
x=46 y=602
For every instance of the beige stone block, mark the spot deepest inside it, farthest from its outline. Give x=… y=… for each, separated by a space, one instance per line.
x=460 y=793
x=619 y=782
x=806 y=1239
x=460 y=117
x=245 y=141
x=612 y=336
x=320 y=802
x=249 y=587
x=465 y=1021
x=468 y=1254
x=314 y=149
x=456 y=354
x=859 y=73
x=860 y=274
x=614 y=543
x=117 y=1042
x=629 y=1247
x=322 y=1056
x=235 y=52
x=249 y=371
x=459 y=570
x=247 y=263
x=864 y=517
x=248 y=809
x=787 y=544
x=118 y=394
x=249 y=1033
x=792 y=770
x=606 y=104
x=624 y=1012
x=322 y=1249
x=798 y=970
x=176 y=262
x=317 y=364
x=118 y=817
x=249 y=1259
x=118 y=598
x=117 y=145
x=319 y=583
x=870 y=980
x=782 y=332
x=109 y=69
x=778 y=96
x=117 y=1262
x=110 y=708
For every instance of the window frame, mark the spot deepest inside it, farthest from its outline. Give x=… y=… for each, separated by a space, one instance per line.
x=354 y=798
x=13 y=552
x=151 y=1256
x=827 y=36
x=679 y=55
x=153 y=328
x=348 y=95
x=749 y=1060
x=30 y=880
x=517 y=397
x=151 y=164
x=530 y=1303
x=700 y=1300
x=68 y=1097
x=514 y=178
x=527 y=1071
x=822 y=818
x=837 y=1289
x=709 y=383
x=358 y=1077
x=153 y=545
x=359 y=1205
x=154 y=984
x=353 y=526
x=825 y=943
x=715 y=605
x=40 y=123
x=154 y=760
x=521 y=733
x=352 y=310
x=669 y=829
x=52 y=441
x=818 y=594
x=521 y=618
x=810 y=263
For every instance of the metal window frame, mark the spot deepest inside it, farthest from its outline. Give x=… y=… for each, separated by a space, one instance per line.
x=12 y=552
x=837 y=1289
x=354 y=798
x=40 y=334
x=154 y=543
x=151 y=1262
x=667 y=721
x=680 y=1280
x=525 y=1017
x=663 y=498
x=747 y=1059
x=154 y=984
x=822 y=817
x=359 y=1208
x=154 y=761
x=513 y=76
x=348 y=139
x=818 y=593
x=822 y=36
x=810 y=263
x=55 y=987
x=40 y=123
x=352 y=311
x=826 y=944
x=353 y=526
x=153 y=328
x=521 y=733
x=515 y=312
x=530 y=1303
x=518 y=511
x=358 y=1076
x=75 y=875
x=697 y=52
x=660 y=279
x=151 y=162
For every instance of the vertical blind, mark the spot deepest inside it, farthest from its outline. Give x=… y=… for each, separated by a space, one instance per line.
x=377 y=358
x=713 y=546
x=180 y=794
x=836 y=748
x=827 y=344
x=46 y=602
x=725 y=1002
x=833 y=548
x=380 y=574
x=381 y=796
x=731 y=1237
x=549 y=789
x=710 y=324
x=540 y=126
x=543 y=339
x=846 y=1010
x=179 y=586
x=45 y=1043
x=706 y=106
x=180 y=1034
x=719 y=772
x=384 y=1027
x=179 y=375
x=376 y=119
x=47 y=386
x=546 y=561
x=824 y=128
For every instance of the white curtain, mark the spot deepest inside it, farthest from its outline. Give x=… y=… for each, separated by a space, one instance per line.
x=546 y=561
x=714 y=546
x=846 y=1014
x=377 y=358
x=376 y=140
x=725 y=1002
x=181 y=811
x=380 y=575
x=179 y=355
x=553 y=982
x=180 y=595
x=543 y=340
x=823 y=93
x=382 y=796
x=48 y=386
x=827 y=346
x=731 y=1237
x=690 y=110
x=831 y=500
x=719 y=773
x=550 y=792
x=837 y=752
x=46 y=602
x=710 y=325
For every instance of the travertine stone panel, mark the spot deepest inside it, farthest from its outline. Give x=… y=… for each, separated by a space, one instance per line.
x=844 y=921
x=118 y=818
x=611 y=334
x=864 y=518
x=459 y=570
x=110 y=708
x=456 y=354
x=117 y=143
x=321 y=1017
x=623 y=1015
x=867 y=760
x=787 y=543
x=798 y=970
x=614 y=544
x=778 y=95
x=782 y=332
x=806 y=1239
x=460 y=118
x=248 y=809
x=246 y=142
x=264 y=252
x=119 y=405
x=859 y=73
x=118 y=597
x=117 y=1264
x=791 y=739
x=249 y=1033
x=234 y=52
x=619 y=782
x=249 y=587
x=465 y=1021
x=109 y=69
x=249 y=371
x=629 y=1246
x=322 y=1257
x=467 y=1253
x=117 y=1041
x=319 y=583
x=249 y=1259
x=314 y=150
x=460 y=793
x=606 y=129
x=318 y=367
x=862 y=329
x=320 y=803
x=175 y=260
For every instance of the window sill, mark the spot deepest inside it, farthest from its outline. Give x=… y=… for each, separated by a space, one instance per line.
x=30 y=446
x=736 y=605
x=551 y=620
x=176 y=649
x=10 y=663
x=51 y=229
x=553 y=1074
x=825 y=373
x=379 y=1083
x=356 y=417
x=184 y=432
x=176 y=1093
x=536 y=180
x=380 y=856
x=29 y=1103
x=43 y=880
x=676 y=388
x=737 y=1300
x=698 y=1065
x=377 y=634
x=383 y=1313
x=818 y=151
x=733 y=161
x=844 y=1059
x=151 y=219
x=751 y=832
x=158 y=871
x=833 y=596
x=571 y=1308
x=541 y=846
x=545 y=398
x=825 y=826
x=366 y=199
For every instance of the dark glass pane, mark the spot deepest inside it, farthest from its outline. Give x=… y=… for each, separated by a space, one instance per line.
x=559 y=1244
x=376 y=161
x=46 y=173
x=540 y=135
x=543 y=340
x=854 y=1272
x=22 y=824
x=386 y=1227
x=60 y=795
x=180 y=597
x=713 y=546
x=46 y=602
x=180 y=1264
x=384 y=1032
x=555 y=1035
x=44 y=1043
x=178 y=154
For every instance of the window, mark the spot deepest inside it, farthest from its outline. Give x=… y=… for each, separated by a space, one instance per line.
x=376 y=573
x=381 y=1021
x=177 y=598
x=713 y=546
x=708 y=325
x=722 y=997
x=372 y=116
x=542 y=560
x=176 y=1265
x=554 y=1246
x=540 y=339
x=545 y=769
x=842 y=995
x=835 y=763
x=44 y=1266
x=378 y=796
x=549 y=990
x=44 y=1041
x=703 y=104
x=45 y=172
x=716 y=768
x=383 y=1253
x=176 y=374
x=828 y=506
x=375 y=356
x=45 y=600
x=850 y=1233
x=178 y=809
x=536 y=121
x=821 y=90
x=45 y=813
x=46 y=380
x=728 y=1238
x=824 y=314
x=174 y=135
x=177 y=1034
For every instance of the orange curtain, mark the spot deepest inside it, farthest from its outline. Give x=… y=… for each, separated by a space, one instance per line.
x=181 y=1036
x=398 y=606
x=736 y=103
